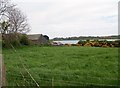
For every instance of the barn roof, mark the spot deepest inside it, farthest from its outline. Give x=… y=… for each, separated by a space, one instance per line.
x=34 y=36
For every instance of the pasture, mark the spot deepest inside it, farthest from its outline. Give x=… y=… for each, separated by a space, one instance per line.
x=62 y=66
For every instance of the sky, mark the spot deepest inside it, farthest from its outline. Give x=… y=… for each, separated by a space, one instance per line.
x=67 y=18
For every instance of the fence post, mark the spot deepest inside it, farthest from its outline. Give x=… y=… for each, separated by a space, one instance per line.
x=2 y=72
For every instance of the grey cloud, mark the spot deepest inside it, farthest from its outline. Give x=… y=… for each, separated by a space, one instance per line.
x=71 y=17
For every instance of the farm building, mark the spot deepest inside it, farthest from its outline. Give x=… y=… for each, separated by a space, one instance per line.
x=38 y=38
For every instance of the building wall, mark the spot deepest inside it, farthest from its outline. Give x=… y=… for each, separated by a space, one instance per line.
x=42 y=40
x=38 y=39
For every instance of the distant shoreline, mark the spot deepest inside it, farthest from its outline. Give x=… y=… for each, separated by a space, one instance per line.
x=86 y=37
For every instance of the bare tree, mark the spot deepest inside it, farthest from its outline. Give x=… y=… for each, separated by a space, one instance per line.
x=17 y=20
x=4 y=26
x=14 y=16
x=4 y=5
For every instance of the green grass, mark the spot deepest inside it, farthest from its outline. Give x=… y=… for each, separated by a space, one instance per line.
x=62 y=65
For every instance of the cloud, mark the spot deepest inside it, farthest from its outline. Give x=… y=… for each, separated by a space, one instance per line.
x=71 y=17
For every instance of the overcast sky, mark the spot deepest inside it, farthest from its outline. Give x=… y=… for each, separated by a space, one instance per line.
x=64 y=18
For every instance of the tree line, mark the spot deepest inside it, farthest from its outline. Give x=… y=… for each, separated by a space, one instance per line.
x=87 y=38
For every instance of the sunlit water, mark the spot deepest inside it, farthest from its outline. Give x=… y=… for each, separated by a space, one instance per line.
x=76 y=41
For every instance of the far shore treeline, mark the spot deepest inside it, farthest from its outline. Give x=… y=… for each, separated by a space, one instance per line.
x=87 y=37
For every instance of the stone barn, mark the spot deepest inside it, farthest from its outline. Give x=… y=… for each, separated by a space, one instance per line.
x=39 y=38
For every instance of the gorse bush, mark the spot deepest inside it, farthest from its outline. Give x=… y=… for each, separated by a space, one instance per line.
x=100 y=43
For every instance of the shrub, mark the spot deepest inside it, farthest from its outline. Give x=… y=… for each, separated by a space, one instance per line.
x=88 y=40
x=116 y=43
x=105 y=45
x=15 y=43
x=15 y=40
x=73 y=44
x=3 y=43
x=68 y=45
x=10 y=39
x=82 y=42
x=78 y=45
x=87 y=44
x=24 y=40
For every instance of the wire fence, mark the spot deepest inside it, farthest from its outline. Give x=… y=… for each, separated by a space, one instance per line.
x=24 y=76
x=22 y=81
x=25 y=80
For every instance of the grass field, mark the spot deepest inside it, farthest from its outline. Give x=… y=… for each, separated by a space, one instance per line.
x=60 y=66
